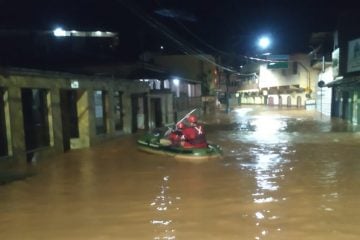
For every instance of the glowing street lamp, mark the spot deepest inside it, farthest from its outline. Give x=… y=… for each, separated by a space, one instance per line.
x=176 y=82
x=59 y=32
x=264 y=42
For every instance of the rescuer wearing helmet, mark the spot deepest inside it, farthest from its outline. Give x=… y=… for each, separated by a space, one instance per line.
x=194 y=135
x=175 y=135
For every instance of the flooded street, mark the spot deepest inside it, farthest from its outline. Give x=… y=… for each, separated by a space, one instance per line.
x=285 y=174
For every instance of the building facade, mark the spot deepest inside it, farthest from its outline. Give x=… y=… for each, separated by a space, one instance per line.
x=346 y=70
x=195 y=81
x=46 y=113
x=289 y=82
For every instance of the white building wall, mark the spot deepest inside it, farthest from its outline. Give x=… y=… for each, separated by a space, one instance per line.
x=299 y=76
x=283 y=77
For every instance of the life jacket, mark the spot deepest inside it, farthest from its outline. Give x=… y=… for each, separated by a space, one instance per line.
x=194 y=137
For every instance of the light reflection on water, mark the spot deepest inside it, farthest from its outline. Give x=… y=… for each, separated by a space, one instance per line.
x=284 y=175
x=162 y=203
x=267 y=167
x=270 y=154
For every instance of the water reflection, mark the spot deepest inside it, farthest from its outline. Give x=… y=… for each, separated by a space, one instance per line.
x=268 y=172
x=267 y=162
x=164 y=202
x=291 y=177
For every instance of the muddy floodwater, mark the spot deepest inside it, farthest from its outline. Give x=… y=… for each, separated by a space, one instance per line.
x=285 y=174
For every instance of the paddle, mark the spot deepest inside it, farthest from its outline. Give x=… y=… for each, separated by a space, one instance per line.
x=187 y=115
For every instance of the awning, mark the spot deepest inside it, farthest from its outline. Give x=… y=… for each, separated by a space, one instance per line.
x=345 y=82
x=335 y=82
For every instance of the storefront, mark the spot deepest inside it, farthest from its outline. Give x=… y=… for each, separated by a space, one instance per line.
x=345 y=101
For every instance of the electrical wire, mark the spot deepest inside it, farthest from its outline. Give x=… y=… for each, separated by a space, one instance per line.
x=212 y=47
x=168 y=33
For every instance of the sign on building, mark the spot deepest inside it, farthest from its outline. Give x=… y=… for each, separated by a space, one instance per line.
x=353 y=63
x=278 y=61
x=74 y=84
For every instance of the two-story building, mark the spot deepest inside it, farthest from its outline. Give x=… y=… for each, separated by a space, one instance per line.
x=194 y=81
x=282 y=80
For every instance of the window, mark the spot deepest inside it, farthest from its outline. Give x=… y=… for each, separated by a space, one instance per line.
x=190 y=90
x=166 y=84
x=154 y=84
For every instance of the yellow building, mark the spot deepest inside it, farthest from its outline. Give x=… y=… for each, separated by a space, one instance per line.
x=45 y=113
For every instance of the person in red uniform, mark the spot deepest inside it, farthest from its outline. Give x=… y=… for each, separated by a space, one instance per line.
x=194 y=135
x=175 y=135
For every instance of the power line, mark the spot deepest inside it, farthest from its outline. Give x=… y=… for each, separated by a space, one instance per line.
x=210 y=46
x=168 y=33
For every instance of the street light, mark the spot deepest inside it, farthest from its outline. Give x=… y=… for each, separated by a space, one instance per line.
x=264 y=42
x=59 y=32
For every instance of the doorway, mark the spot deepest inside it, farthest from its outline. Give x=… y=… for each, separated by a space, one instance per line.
x=288 y=101
x=69 y=116
x=345 y=113
x=3 y=137
x=118 y=111
x=156 y=112
x=139 y=112
x=298 y=102
x=271 y=101
x=101 y=111
x=36 y=118
x=280 y=101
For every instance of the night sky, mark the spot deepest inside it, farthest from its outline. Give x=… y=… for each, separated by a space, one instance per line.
x=226 y=26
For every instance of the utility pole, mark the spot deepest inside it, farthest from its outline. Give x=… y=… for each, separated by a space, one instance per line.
x=322 y=84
